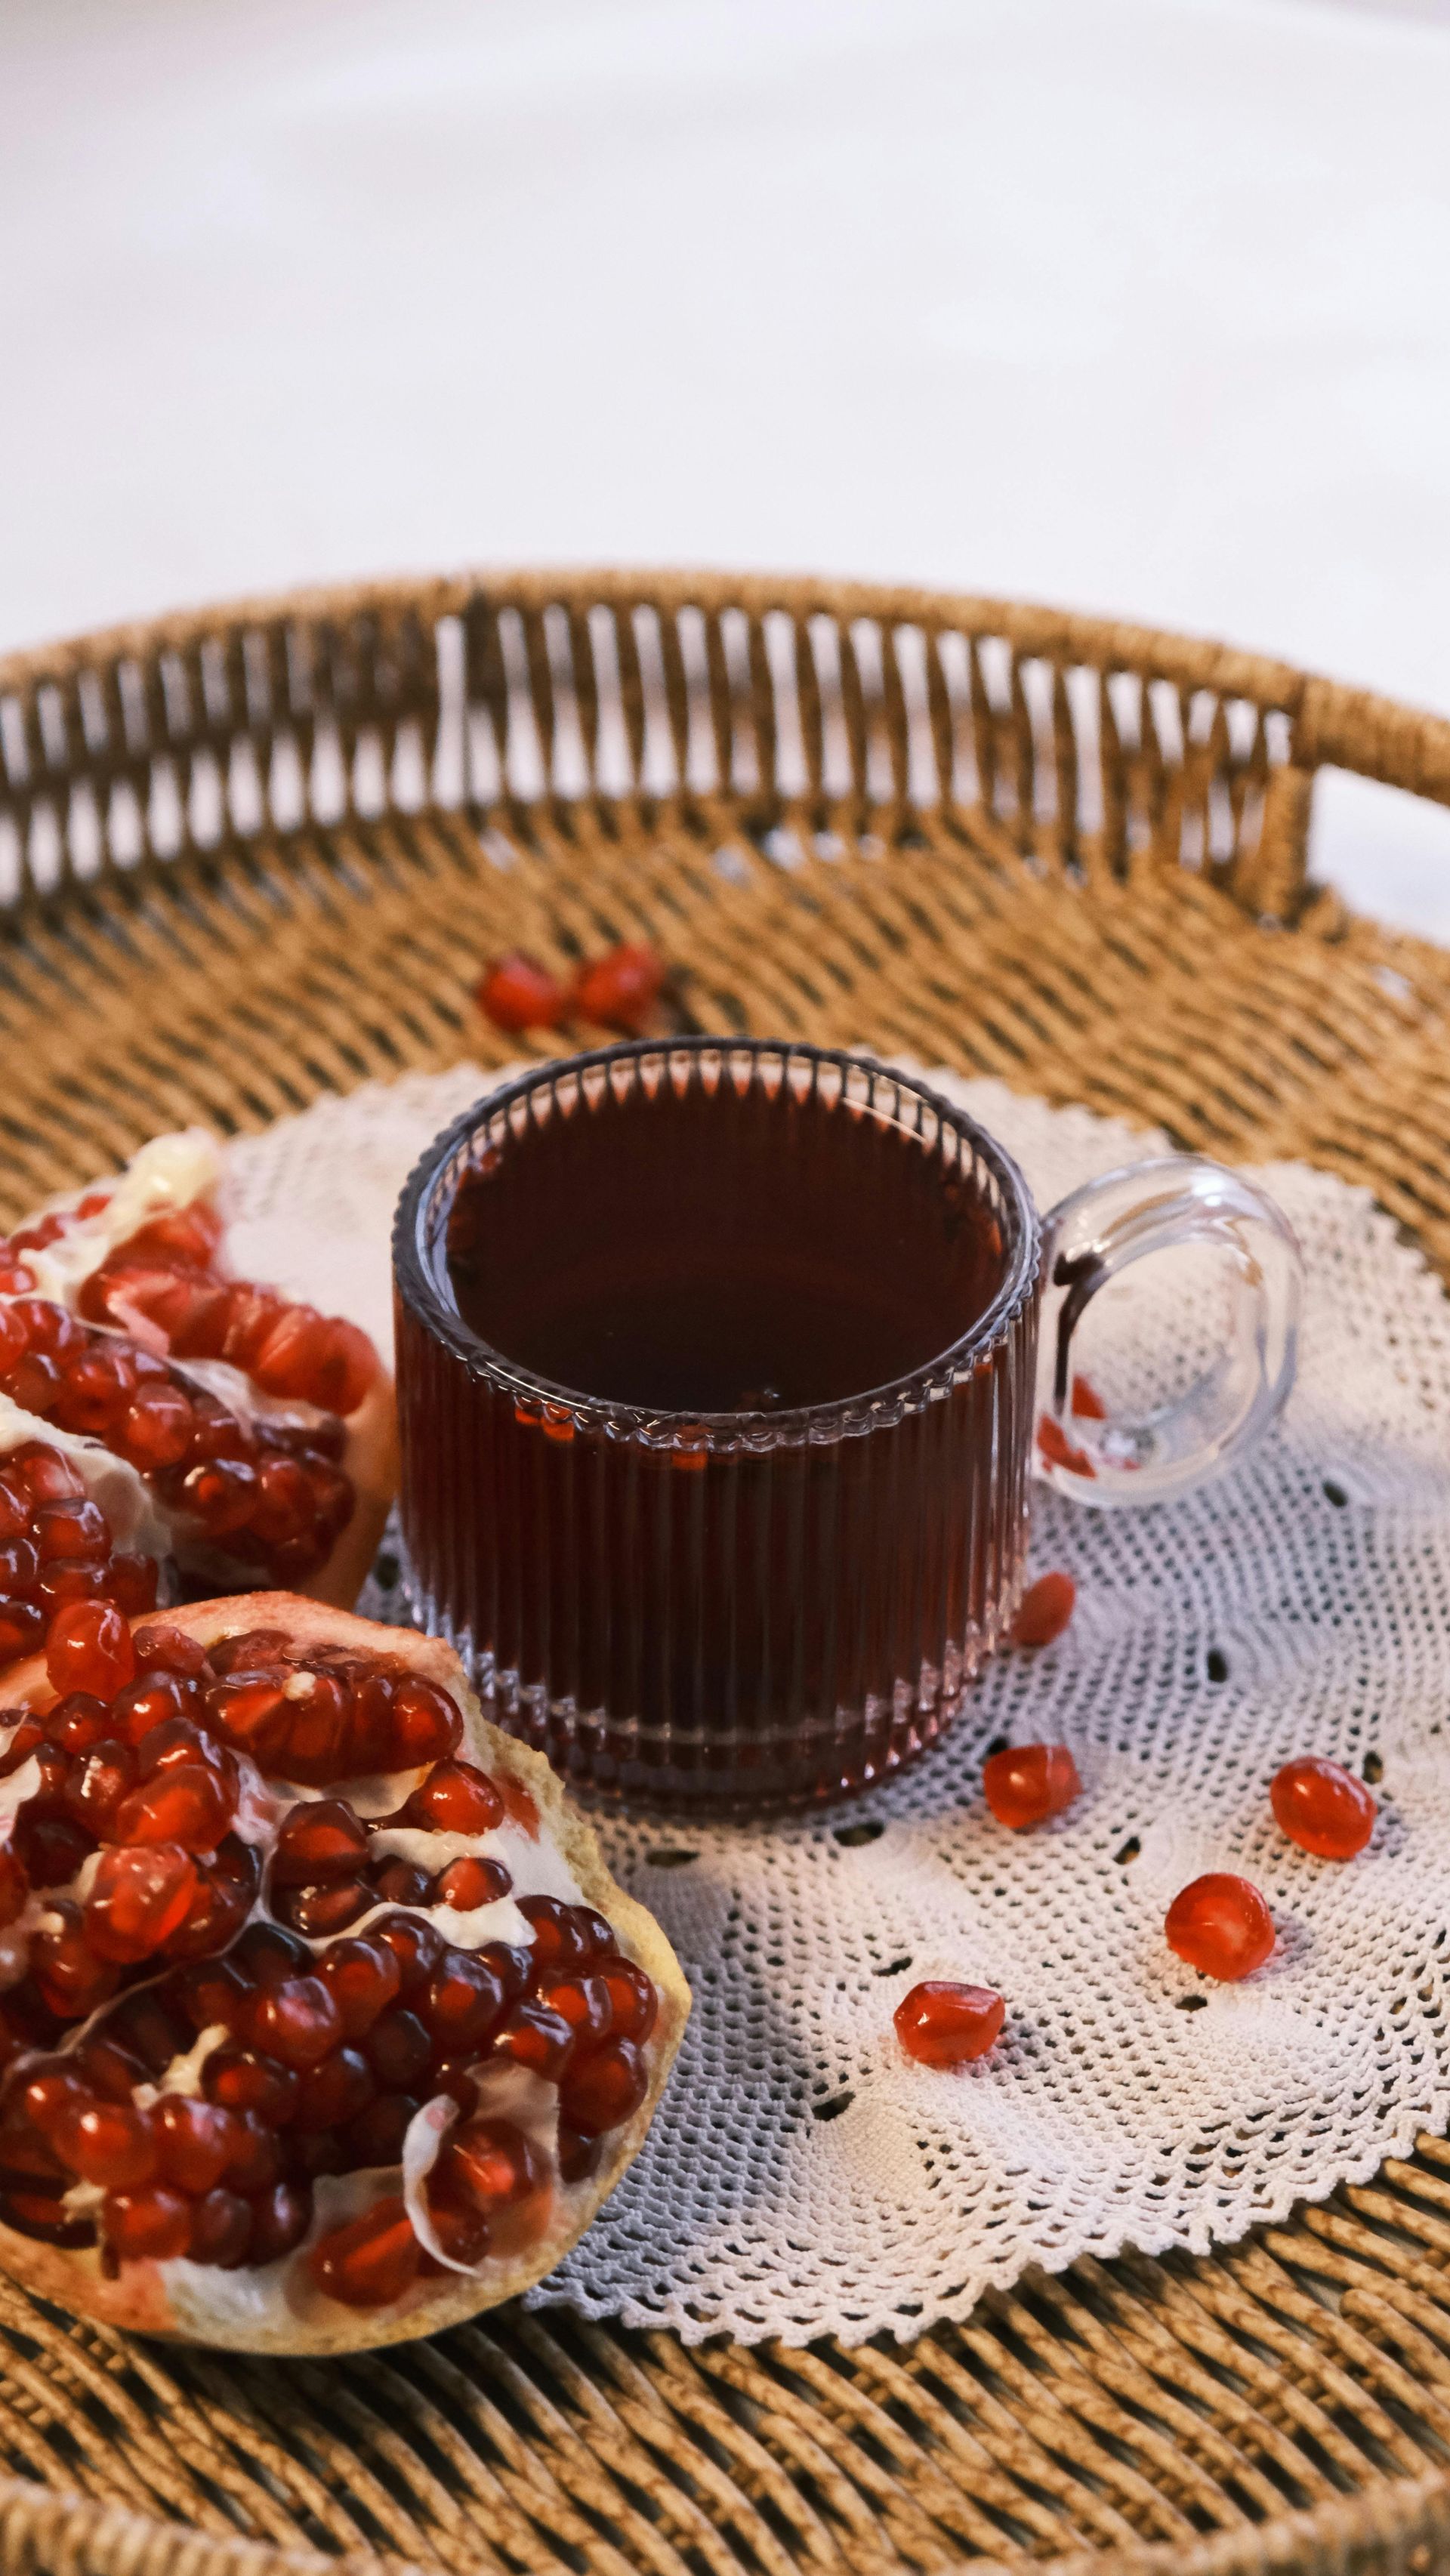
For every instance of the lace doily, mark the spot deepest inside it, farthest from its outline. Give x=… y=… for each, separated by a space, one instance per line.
x=802 y=2176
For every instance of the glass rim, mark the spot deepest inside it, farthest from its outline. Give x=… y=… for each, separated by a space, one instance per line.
x=417 y=1284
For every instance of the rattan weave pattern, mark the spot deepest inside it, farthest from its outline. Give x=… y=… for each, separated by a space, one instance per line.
x=256 y=853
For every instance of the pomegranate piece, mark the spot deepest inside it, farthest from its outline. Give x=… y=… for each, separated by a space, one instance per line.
x=941 y=2023
x=517 y=993
x=1030 y=1782
x=620 y=989
x=1322 y=1807
x=1221 y=1925
x=1044 y=1610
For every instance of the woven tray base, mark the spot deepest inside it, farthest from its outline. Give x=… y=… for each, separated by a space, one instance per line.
x=1286 y=2402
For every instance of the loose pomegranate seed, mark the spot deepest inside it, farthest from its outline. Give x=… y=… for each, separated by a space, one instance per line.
x=619 y=990
x=537 y=2038
x=370 y=2262
x=1322 y=1808
x=318 y=1841
x=1059 y=1451
x=281 y=2217
x=1221 y=1925
x=196 y=2141
x=154 y=2222
x=110 y=2143
x=517 y=993
x=468 y=1883
x=89 y=1649
x=1030 y=1782
x=604 y=2089
x=1044 y=1610
x=633 y=2003
x=941 y=2023
x=1087 y=1404
x=456 y=1799
x=138 y=1898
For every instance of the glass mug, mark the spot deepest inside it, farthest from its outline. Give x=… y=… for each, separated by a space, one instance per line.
x=719 y=1389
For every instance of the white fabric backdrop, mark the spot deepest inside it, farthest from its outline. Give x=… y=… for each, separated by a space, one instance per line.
x=1135 y=304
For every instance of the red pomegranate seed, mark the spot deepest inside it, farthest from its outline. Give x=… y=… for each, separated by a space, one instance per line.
x=22 y=1625
x=516 y=993
x=14 y=1885
x=249 y=1709
x=398 y=2047
x=456 y=2076
x=311 y=2152
x=520 y=1803
x=318 y=1841
x=255 y=2162
x=537 y=2038
x=1221 y=1925
x=53 y=2101
x=558 y=1943
x=370 y=2262
x=463 y=2000
x=1087 y=1404
x=226 y=1887
x=89 y=1649
x=221 y=2230
x=416 y=1946
x=78 y=1722
x=151 y=1701
x=109 y=2069
x=221 y=1492
x=154 y=2222
x=1058 y=1450
x=96 y=1784
x=400 y=1882
x=296 y=2021
x=130 y=1582
x=426 y=1726
x=376 y=2136
x=241 y=2080
x=210 y=1991
x=321 y=1911
x=111 y=2144
x=619 y=990
x=604 y=2089
x=337 y=2090
x=70 y=1978
x=512 y=1964
x=468 y=1883
x=143 y=2025
x=633 y=2003
x=584 y=2003
x=578 y=2156
x=456 y=1799
x=26 y=1739
x=1044 y=1610
x=941 y=2023
x=462 y=2233
x=363 y=1977
x=192 y=1806
x=163 y=1649
x=1030 y=1782
x=313 y=1749
x=138 y=1898
x=281 y=2217
x=266 y=1954
x=490 y=2162
x=1322 y=1807
x=196 y=2141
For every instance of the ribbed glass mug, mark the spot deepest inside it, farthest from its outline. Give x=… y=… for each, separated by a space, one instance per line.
x=774 y=1592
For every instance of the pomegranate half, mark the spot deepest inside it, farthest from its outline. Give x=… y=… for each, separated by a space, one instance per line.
x=322 y=2024
x=264 y=1430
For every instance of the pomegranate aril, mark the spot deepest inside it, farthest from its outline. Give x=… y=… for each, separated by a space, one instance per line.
x=462 y=2233
x=1030 y=1782
x=153 y=2223
x=219 y=1908
x=399 y=1882
x=31 y=2213
x=109 y=2069
x=97 y=1387
x=578 y=2156
x=74 y=1527
x=210 y=1991
x=143 y=2026
x=266 y=1954
x=468 y=1882
x=1045 y=1607
x=191 y=1805
x=593 y=1930
x=463 y=2000
x=375 y=2136
x=131 y=1582
x=53 y=2101
x=1059 y=1451
x=241 y=2079
x=318 y=1841
x=249 y=1710
x=416 y=1946
x=138 y=1897
x=490 y=2162
x=19 y=1566
x=559 y=1942
x=942 y=2023
x=320 y=1911
x=334 y=2091
x=71 y=1579
x=1220 y=1924
x=250 y=1650
x=97 y=1783
x=397 y=2047
x=156 y=1429
x=456 y=1799
x=195 y=2140
x=78 y=1722
x=255 y=2162
x=112 y=2144
x=281 y=2217
x=221 y=2229
x=362 y=1977
x=14 y=1885
x=1087 y=1404
x=457 y=2076
x=69 y=1977
x=22 y=1625
x=633 y=2001
x=164 y=1649
x=222 y=1493
x=148 y=1703
x=516 y=993
x=1322 y=1807
x=296 y=2021
x=620 y=989
x=584 y=2003
x=370 y=2262
x=27 y=1737
x=537 y=2038
x=604 y=2089
x=33 y=1383
x=426 y=1725
x=88 y=1648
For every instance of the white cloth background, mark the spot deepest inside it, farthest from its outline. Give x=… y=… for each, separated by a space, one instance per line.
x=802 y=2175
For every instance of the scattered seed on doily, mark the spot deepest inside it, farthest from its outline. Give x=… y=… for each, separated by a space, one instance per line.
x=1335 y=1494
x=832 y=2109
x=1127 y=1851
x=851 y=1836
x=1216 y=1664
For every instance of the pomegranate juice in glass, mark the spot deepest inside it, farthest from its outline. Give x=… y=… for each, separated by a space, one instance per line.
x=717 y=1372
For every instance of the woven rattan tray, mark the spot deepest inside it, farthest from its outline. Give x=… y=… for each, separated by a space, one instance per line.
x=258 y=853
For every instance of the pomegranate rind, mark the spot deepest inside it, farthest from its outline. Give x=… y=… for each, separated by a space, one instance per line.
x=370 y=1462
x=173 y=2302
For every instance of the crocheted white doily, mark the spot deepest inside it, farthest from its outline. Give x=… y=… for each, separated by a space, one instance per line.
x=803 y=2176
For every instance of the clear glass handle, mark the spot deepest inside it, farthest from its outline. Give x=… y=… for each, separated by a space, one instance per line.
x=1093 y=1237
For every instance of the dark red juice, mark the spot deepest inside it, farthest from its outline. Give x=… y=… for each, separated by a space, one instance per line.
x=714 y=1378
